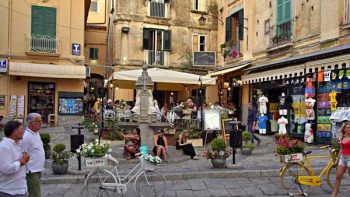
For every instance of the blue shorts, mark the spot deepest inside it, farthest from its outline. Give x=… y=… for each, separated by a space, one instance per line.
x=344 y=160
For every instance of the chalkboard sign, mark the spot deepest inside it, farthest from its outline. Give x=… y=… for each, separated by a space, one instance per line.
x=212 y=120
x=207 y=58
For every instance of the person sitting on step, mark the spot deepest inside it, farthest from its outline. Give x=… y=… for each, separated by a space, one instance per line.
x=186 y=146
x=160 y=145
x=132 y=143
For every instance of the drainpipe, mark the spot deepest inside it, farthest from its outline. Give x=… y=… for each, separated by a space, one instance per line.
x=9 y=53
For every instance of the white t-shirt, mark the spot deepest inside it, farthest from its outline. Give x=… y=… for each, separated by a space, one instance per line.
x=310 y=102
x=263 y=100
x=282 y=122
x=33 y=145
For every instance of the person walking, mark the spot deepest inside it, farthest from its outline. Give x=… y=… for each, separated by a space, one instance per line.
x=252 y=123
x=344 y=156
x=32 y=144
x=12 y=169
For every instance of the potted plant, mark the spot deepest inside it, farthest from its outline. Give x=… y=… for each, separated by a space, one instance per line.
x=290 y=150
x=94 y=153
x=247 y=148
x=60 y=159
x=217 y=153
x=45 y=138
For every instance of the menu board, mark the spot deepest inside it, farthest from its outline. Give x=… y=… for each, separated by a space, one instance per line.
x=70 y=106
x=13 y=105
x=20 y=106
x=2 y=102
x=212 y=119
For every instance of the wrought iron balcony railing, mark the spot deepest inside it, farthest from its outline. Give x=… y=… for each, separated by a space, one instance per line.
x=42 y=44
x=153 y=57
x=280 y=34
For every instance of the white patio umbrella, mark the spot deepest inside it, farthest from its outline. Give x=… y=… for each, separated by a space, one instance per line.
x=165 y=79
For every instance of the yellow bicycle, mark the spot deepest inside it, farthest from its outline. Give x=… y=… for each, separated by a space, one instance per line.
x=297 y=177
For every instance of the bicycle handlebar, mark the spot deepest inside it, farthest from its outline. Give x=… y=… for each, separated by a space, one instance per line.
x=111 y=158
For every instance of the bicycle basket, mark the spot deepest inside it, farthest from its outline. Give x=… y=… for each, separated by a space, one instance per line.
x=146 y=165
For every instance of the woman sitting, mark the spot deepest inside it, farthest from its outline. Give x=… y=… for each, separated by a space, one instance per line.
x=132 y=143
x=186 y=147
x=160 y=145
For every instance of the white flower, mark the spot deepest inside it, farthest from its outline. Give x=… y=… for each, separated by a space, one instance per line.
x=96 y=140
x=78 y=150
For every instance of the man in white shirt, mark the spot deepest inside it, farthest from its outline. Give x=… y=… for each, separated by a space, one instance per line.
x=12 y=169
x=34 y=146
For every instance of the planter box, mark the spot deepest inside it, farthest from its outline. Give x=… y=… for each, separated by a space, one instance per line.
x=95 y=162
x=186 y=111
x=296 y=157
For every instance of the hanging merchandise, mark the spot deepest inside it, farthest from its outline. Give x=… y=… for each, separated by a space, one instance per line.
x=341 y=74
x=320 y=76
x=337 y=86
x=310 y=88
x=262 y=124
x=309 y=133
x=327 y=76
x=282 y=122
x=333 y=100
x=299 y=109
x=310 y=113
x=262 y=104
x=347 y=73
x=346 y=84
x=334 y=75
x=283 y=105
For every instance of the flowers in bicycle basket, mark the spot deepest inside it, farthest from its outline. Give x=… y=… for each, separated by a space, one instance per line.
x=285 y=145
x=152 y=159
x=94 y=149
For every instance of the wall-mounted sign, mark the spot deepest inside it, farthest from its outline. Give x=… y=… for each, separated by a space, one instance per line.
x=76 y=49
x=3 y=65
x=20 y=106
x=204 y=58
x=2 y=102
x=13 y=105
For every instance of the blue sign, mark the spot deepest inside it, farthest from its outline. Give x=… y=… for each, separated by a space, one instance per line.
x=3 y=65
x=76 y=49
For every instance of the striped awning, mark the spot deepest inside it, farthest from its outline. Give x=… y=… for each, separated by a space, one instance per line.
x=334 y=63
x=275 y=74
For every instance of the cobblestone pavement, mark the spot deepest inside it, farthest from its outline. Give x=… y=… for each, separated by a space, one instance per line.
x=266 y=186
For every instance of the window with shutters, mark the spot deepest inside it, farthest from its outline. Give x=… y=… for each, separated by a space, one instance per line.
x=93 y=53
x=158 y=8
x=156 y=44
x=282 y=31
x=346 y=12
x=235 y=26
x=198 y=43
x=43 y=30
x=200 y=5
x=94 y=6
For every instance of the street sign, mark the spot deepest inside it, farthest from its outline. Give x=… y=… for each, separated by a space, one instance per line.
x=3 y=65
x=76 y=49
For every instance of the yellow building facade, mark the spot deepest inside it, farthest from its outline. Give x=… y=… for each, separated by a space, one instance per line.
x=41 y=43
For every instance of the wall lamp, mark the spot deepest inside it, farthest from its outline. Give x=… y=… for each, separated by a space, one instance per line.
x=202 y=19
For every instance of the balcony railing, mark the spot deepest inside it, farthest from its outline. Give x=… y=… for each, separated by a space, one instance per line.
x=280 y=34
x=42 y=44
x=153 y=57
x=158 y=9
x=231 y=50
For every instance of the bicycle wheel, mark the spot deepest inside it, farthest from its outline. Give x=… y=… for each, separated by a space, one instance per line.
x=150 y=183
x=289 y=176
x=101 y=183
x=330 y=179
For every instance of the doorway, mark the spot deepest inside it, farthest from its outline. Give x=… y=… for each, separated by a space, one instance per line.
x=41 y=99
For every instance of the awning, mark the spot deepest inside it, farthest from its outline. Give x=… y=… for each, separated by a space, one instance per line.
x=275 y=74
x=47 y=70
x=226 y=70
x=127 y=78
x=333 y=63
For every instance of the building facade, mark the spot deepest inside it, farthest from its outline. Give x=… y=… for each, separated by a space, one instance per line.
x=293 y=47
x=42 y=48
x=166 y=34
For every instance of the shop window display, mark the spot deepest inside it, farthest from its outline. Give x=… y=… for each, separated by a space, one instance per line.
x=41 y=98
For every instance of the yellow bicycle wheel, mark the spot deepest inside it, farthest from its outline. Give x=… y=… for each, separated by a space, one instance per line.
x=288 y=178
x=331 y=175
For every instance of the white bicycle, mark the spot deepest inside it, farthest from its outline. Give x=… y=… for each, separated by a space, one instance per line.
x=147 y=181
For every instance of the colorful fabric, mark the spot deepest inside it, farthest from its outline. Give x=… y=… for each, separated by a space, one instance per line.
x=341 y=74
x=346 y=84
x=262 y=122
x=320 y=76
x=334 y=75
x=310 y=88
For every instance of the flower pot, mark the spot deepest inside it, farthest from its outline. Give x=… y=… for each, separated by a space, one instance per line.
x=60 y=168
x=246 y=151
x=218 y=163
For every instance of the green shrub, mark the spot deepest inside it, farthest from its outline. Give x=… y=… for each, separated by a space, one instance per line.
x=246 y=136
x=45 y=137
x=218 y=144
x=59 y=155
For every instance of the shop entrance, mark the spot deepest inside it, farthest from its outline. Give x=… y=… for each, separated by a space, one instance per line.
x=41 y=99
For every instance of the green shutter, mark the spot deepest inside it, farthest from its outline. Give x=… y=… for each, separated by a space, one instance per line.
x=241 y=24
x=146 y=38
x=167 y=40
x=43 y=21
x=228 y=28
x=287 y=10
x=284 y=11
x=280 y=11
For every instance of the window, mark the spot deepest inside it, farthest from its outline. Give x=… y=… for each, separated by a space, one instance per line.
x=93 y=53
x=347 y=12
x=284 y=17
x=158 y=8
x=198 y=43
x=156 y=39
x=94 y=6
x=199 y=5
x=235 y=26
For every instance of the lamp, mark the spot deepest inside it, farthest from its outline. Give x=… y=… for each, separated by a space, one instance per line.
x=111 y=85
x=202 y=19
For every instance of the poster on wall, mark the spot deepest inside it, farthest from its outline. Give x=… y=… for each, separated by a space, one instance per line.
x=2 y=102
x=13 y=105
x=20 y=106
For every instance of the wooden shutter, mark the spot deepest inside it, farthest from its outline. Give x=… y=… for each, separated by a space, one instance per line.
x=167 y=40
x=241 y=24
x=228 y=28
x=37 y=20
x=280 y=11
x=284 y=11
x=43 y=21
x=195 y=43
x=146 y=39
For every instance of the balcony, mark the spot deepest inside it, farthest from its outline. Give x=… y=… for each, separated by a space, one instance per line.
x=42 y=44
x=280 y=36
x=231 y=50
x=153 y=57
x=158 y=9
